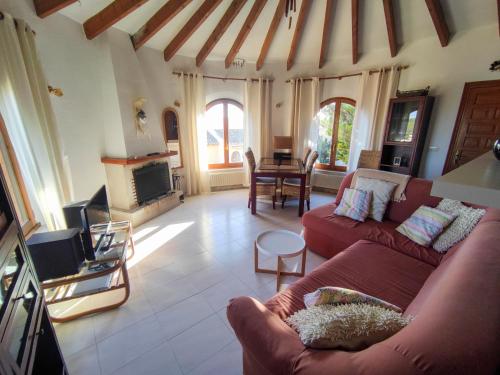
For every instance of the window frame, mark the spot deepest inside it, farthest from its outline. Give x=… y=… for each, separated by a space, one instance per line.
x=333 y=151
x=225 y=102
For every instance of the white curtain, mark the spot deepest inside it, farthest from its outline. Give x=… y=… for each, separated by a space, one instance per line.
x=304 y=100
x=257 y=120
x=375 y=90
x=27 y=111
x=194 y=135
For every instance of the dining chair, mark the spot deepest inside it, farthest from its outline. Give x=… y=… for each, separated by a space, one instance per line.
x=307 y=152
x=291 y=186
x=265 y=186
x=369 y=159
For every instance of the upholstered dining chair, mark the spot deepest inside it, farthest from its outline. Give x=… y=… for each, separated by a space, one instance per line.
x=307 y=152
x=265 y=186
x=369 y=159
x=291 y=186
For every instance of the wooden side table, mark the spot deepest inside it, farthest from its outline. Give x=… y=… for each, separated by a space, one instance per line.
x=283 y=244
x=102 y=284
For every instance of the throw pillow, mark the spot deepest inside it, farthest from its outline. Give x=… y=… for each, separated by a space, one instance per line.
x=425 y=224
x=351 y=327
x=467 y=219
x=354 y=204
x=382 y=193
x=336 y=295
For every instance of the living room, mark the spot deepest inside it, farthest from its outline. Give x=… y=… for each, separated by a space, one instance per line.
x=217 y=147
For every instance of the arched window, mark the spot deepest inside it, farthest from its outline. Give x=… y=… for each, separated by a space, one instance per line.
x=335 y=127
x=224 y=121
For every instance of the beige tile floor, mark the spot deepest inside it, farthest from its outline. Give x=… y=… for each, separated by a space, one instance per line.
x=189 y=262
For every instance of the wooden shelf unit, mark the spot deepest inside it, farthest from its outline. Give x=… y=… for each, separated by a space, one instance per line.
x=405 y=131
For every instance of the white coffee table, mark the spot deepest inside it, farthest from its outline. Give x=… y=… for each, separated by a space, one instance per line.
x=282 y=244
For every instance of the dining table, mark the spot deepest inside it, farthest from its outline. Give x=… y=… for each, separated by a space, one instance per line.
x=279 y=169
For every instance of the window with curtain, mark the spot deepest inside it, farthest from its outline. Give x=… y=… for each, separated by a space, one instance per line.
x=335 y=127
x=224 y=122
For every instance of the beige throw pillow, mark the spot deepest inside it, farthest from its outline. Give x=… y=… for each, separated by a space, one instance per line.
x=349 y=327
x=382 y=194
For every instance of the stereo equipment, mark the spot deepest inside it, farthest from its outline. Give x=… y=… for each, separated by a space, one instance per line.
x=56 y=254
x=73 y=214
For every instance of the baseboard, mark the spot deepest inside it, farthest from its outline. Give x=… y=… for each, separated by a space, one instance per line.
x=325 y=190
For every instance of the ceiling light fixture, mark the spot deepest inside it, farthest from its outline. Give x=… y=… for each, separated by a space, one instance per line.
x=291 y=6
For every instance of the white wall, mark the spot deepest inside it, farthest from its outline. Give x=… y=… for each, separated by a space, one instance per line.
x=102 y=77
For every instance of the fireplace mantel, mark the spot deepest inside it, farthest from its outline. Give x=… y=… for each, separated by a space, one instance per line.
x=137 y=159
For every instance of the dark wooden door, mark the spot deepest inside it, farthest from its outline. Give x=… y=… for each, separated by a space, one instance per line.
x=477 y=125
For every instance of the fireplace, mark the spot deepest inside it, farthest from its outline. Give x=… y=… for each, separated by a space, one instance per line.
x=140 y=187
x=151 y=181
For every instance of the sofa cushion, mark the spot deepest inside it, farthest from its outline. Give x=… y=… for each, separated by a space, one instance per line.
x=366 y=266
x=351 y=326
x=328 y=234
x=355 y=204
x=382 y=194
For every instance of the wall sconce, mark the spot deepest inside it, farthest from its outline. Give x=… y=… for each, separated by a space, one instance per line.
x=55 y=91
x=495 y=66
x=177 y=104
x=140 y=115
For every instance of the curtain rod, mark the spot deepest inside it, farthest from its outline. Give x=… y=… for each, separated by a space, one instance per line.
x=352 y=74
x=15 y=23
x=224 y=78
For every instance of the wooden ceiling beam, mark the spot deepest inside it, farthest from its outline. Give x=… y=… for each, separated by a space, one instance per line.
x=163 y=16
x=355 y=29
x=45 y=8
x=437 y=15
x=278 y=16
x=498 y=11
x=245 y=30
x=327 y=26
x=110 y=15
x=297 y=34
x=228 y=17
x=203 y=12
x=391 y=27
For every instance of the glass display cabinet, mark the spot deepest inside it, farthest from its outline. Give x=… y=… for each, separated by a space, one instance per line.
x=405 y=132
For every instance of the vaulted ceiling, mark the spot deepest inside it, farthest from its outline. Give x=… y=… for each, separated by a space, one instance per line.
x=258 y=31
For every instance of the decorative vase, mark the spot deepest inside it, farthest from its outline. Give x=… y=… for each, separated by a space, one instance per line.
x=496 y=149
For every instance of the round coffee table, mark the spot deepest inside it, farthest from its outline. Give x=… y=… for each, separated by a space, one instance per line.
x=282 y=244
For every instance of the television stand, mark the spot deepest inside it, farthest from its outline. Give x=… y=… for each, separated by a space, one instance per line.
x=102 y=284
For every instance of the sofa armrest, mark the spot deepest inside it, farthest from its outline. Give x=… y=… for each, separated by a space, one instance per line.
x=264 y=336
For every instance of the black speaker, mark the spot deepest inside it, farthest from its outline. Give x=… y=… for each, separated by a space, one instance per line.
x=56 y=254
x=72 y=214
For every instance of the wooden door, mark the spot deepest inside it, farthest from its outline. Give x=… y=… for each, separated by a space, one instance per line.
x=477 y=125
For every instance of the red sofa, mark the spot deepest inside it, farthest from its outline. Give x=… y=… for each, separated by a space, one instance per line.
x=454 y=298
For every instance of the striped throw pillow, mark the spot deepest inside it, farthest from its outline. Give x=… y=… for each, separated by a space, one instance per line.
x=355 y=204
x=425 y=224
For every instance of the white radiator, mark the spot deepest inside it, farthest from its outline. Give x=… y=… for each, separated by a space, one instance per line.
x=221 y=179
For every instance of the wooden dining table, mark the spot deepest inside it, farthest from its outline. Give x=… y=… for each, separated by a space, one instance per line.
x=269 y=167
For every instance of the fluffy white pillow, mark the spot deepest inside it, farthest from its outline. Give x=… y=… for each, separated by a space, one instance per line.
x=467 y=219
x=382 y=194
x=351 y=326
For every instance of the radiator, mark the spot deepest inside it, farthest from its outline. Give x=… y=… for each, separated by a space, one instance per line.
x=221 y=179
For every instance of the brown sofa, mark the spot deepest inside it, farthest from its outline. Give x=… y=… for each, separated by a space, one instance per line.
x=454 y=298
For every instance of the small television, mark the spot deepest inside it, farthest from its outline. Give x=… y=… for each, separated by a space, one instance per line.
x=95 y=211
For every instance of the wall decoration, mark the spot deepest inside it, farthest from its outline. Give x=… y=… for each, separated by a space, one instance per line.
x=140 y=117
x=495 y=66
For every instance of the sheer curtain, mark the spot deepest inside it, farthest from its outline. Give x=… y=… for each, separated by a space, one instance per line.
x=375 y=90
x=304 y=100
x=27 y=111
x=194 y=135
x=257 y=120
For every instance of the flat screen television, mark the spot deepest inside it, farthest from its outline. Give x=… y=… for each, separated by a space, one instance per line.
x=95 y=211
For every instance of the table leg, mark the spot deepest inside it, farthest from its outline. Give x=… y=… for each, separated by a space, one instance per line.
x=302 y=194
x=303 y=269
x=253 y=196
x=256 y=258
x=278 y=274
